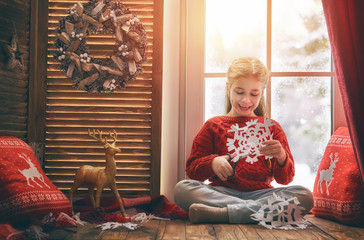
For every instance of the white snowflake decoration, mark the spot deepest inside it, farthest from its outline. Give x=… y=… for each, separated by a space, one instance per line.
x=281 y=213
x=113 y=225
x=247 y=140
x=136 y=221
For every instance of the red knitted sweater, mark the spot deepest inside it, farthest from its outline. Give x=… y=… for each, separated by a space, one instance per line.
x=212 y=141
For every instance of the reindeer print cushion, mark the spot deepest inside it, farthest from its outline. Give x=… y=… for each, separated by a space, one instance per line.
x=25 y=190
x=338 y=192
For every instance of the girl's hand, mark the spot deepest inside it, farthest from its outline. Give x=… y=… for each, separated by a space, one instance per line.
x=222 y=167
x=273 y=148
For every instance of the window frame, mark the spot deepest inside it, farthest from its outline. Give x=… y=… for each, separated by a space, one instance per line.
x=193 y=103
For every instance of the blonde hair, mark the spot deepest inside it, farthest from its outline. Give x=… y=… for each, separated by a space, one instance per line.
x=244 y=68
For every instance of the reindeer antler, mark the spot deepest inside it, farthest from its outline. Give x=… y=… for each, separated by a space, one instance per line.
x=24 y=156
x=93 y=135
x=114 y=135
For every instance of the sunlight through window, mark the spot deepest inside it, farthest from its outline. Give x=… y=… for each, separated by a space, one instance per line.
x=290 y=37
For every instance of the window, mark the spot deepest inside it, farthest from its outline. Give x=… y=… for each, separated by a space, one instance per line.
x=290 y=37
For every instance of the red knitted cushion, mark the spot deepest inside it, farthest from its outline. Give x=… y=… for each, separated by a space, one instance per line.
x=25 y=190
x=338 y=191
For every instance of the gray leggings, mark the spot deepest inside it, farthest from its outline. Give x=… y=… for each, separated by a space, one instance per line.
x=240 y=205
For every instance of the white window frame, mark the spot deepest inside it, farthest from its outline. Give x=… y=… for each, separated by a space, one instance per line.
x=195 y=75
x=194 y=68
x=183 y=85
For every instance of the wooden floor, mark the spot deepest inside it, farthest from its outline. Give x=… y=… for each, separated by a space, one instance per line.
x=178 y=229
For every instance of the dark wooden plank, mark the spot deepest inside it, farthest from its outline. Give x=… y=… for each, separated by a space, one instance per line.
x=161 y=230
x=255 y=232
x=86 y=232
x=12 y=111
x=146 y=231
x=336 y=230
x=229 y=231
x=179 y=229
x=259 y=232
x=157 y=95
x=11 y=127
x=112 y=234
x=313 y=232
x=321 y=235
x=13 y=119
x=18 y=134
x=171 y=230
x=11 y=97
x=200 y=231
x=38 y=70
x=18 y=105
x=59 y=234
x=13 y=84
x=310 y=233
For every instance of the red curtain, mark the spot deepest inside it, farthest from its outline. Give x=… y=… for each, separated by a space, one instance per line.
x=345 y=24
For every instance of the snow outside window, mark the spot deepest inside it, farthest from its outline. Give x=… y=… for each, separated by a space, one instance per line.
x=290 y=37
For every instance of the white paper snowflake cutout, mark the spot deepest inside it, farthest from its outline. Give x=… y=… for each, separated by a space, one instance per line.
x=281 y=213
x=136 y=221
x=247 y=140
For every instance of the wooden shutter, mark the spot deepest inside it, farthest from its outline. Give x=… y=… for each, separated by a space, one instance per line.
x=134 y=112
x=14 y=84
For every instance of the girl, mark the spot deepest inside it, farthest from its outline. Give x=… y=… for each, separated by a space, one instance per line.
x=240 y=154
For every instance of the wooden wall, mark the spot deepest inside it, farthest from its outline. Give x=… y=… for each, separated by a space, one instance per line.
x=14 y=78
x=39 y=105
x=134 y=112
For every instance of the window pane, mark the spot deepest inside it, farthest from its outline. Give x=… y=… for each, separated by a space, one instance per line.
x=215 y=89
x=234 y=28
x=302 y=106
x=300 y=41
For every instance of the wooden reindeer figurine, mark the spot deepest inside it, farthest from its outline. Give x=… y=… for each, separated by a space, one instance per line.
x=99 y=177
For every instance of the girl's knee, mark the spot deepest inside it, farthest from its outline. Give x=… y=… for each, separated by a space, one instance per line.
x=179 y=189
x=304 y=196
x=184 y=185
x=187 y=185
x=182 y=192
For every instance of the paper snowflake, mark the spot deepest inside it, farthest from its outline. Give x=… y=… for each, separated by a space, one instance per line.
x=247 y=140
x=136 y=221
x=281 y=213
x=113 y=225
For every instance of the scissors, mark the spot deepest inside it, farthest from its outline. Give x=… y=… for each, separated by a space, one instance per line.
x=235 y=160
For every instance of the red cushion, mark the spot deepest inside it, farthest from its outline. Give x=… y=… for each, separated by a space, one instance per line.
x=25 y=190
x=338 y=191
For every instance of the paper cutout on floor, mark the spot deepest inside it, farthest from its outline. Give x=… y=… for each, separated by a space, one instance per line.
x=136 y=221
x=247 y=140
x=77 y=218
x=113 y=225
x=281 y=213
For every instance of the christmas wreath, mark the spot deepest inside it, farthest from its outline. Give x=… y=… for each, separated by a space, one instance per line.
x=94 y=74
